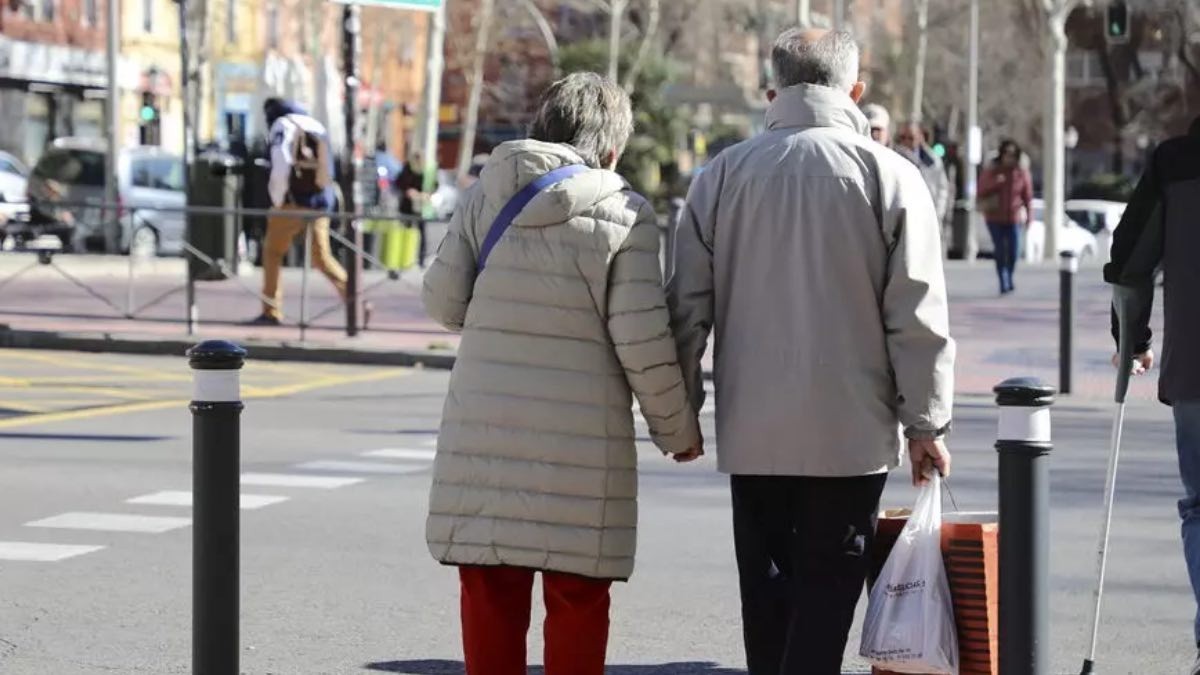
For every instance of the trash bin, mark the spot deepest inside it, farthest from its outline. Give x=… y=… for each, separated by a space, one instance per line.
x=215 y=182
x=961 y=244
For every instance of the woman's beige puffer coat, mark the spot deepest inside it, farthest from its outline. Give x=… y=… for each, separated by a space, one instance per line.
x=536 y=464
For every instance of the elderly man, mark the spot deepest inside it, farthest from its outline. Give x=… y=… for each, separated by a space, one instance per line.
x=814 y=254
x=911 y=143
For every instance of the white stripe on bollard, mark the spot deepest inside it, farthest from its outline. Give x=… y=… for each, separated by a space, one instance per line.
x=1021 y=423
x=216 y=386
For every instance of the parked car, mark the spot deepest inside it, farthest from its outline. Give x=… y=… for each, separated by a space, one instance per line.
x=66 y=197
x=1033 y=244
x=1073 y=237
x=13 y=177
x=1098 y=216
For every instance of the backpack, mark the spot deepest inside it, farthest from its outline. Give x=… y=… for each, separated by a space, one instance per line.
x=310 y=167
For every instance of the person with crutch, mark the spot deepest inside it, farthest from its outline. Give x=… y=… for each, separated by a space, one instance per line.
x=1163 y=209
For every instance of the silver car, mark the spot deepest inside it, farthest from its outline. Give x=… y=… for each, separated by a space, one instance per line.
x=66 y=198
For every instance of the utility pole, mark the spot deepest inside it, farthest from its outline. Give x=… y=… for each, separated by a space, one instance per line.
x=189 y=148
x=839 y=14
x=434 y=64
x=922 y=48
x=1053 y=153
x=974 y=134
x=351 y=47
x=112 y=230
x=804 y=13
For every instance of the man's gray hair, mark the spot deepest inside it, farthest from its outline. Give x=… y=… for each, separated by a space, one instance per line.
x=588 y=112
x=830 y=60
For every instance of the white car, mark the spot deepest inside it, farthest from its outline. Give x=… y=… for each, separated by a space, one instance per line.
x=13 y=178
x=1033 y=242
x=1098 y=216
x=1073 y=237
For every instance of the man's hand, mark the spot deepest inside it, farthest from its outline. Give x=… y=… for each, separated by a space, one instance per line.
x=693 y=453
x=925 y=456
x=1141 y=362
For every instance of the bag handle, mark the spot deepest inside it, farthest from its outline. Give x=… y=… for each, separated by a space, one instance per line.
x=519 y=202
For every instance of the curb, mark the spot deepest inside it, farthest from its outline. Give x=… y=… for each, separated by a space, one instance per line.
x=262 y=350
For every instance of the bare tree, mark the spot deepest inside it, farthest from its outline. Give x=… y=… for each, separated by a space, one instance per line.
x=483 y=29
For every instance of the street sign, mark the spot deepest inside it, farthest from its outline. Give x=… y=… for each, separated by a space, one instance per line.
x=421 y=5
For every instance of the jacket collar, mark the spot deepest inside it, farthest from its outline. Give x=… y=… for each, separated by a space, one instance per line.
x=810 y=105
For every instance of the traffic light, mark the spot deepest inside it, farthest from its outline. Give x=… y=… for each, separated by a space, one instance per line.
x=150 y=127
x=1116 y=21
x=149 y=112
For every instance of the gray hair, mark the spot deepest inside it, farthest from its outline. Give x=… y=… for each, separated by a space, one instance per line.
x=830 y=60
x=586 y=111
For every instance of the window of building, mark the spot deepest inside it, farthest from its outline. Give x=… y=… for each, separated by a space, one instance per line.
x=48 y=10
x=231 y=21
x=148 y=16
x=91 y=12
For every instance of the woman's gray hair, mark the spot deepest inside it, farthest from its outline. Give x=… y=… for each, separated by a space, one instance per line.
x=588 y=112
x=801 y=56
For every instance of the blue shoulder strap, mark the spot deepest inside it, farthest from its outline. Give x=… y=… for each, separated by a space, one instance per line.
x=518 y=202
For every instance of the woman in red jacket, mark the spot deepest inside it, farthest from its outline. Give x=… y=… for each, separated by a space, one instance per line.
x=1006 y=199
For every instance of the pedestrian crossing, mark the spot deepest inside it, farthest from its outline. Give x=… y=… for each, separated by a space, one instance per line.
x=307 y=477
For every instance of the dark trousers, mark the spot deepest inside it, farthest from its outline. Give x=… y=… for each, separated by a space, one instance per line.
x=803 y=546
x=1006 y=247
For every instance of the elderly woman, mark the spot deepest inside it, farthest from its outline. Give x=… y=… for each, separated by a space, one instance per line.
x=551 y=272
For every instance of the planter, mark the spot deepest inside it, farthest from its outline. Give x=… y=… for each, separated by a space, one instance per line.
x=970 y=549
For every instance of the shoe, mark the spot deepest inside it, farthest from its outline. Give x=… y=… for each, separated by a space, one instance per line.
x=264 y=320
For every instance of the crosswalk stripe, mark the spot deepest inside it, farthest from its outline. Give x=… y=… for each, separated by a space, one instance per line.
x=402 y=453
x=28 y=551
x=298 y=481
x=362 y=467
x=111 y=522
x=184 y=498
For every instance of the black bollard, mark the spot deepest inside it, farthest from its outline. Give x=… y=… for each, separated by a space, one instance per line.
x=216 y=449
x=1023 y=443
x=1066 y=319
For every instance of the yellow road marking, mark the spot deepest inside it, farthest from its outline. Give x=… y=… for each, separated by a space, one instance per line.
x=248 y=393
x=74 y=361
x=102 y=392
x=23 y=406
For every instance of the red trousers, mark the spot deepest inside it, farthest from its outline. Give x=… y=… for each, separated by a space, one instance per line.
x=495 y=618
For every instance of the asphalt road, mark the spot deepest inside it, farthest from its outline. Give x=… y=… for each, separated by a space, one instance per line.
x=336 y=580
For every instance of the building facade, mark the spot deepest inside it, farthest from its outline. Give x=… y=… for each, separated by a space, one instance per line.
x=151 y=107
x=52 y=73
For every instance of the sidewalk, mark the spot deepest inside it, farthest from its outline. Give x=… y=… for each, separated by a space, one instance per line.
x=997 y=337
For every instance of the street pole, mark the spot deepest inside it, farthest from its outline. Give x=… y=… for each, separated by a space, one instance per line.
x=351 y=46
x=1053 y=154
x=839 y=14
x=922 y=48
x=112 y=230
x=434 y=64
x=1068 y=267
x=804 y=13
x=974 y=133
x=189 y=158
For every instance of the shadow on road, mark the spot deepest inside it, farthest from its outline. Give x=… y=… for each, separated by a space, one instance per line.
x=443 y=667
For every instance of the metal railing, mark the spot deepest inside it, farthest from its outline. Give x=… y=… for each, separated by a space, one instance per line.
x=130 y=219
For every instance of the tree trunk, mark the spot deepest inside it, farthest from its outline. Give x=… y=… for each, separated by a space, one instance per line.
x=544 y=28
x=615 y=15
x=483 y=29
x=643 y=49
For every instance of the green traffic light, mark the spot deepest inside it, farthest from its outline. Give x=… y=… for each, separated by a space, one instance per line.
x=1114 y=28
x=939 y=150
x=148 y=113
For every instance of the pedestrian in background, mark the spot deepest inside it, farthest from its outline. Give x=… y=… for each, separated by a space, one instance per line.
x=814 y=254
x=910 y=144
x=300 y=183
x=410 y=186
x=536 y=467
x=1163 y=209
x=1005 y=197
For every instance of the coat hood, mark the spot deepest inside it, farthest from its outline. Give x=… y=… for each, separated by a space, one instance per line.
x=276 y=108
x=514 y=164
x=810 y=105
x=1195 y=129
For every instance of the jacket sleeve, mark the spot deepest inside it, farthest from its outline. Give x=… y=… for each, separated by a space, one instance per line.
x=450 y=281
x=690 y=293
x=915 y=311
x=1027 y=194
x=639 y=326
x=1137 y=252
x=987 y=183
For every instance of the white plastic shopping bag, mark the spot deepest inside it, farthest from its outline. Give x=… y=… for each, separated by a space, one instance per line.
x=909 y=626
